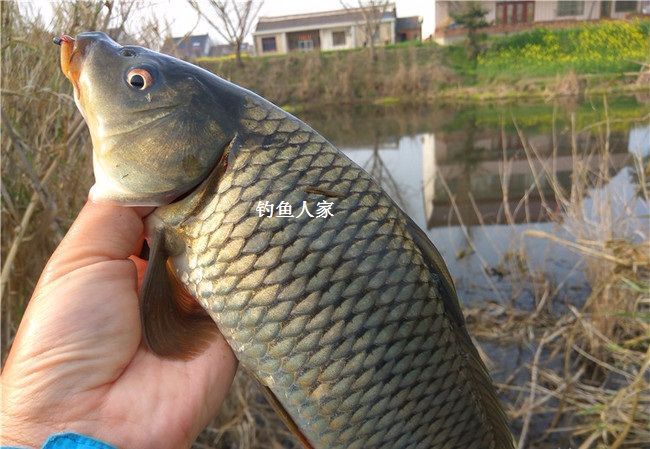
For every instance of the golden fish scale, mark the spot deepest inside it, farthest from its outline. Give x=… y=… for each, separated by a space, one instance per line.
x=340 y=317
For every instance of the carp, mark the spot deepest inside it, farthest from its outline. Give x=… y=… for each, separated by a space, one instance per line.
x=348 y=318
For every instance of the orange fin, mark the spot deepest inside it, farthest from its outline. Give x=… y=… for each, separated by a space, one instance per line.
x=173 y=324
x=284 y=415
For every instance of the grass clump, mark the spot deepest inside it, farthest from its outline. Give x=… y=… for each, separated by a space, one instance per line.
x=520 y=65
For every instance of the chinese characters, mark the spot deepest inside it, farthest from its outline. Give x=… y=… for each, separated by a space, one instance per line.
x=284 y=209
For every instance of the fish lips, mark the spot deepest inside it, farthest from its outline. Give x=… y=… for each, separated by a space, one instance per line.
x=74 y=51
x=71 y=58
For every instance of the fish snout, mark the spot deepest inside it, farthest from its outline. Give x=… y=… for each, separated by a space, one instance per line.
x=91 y=37
x=74 y=51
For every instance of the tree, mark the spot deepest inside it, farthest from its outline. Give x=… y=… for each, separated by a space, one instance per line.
x=472 y=16
x=373 y=12
x=233 y=19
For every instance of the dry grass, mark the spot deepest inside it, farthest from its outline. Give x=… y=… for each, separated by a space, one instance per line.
x=413 y=73
x=45 y=157
x=589 y=374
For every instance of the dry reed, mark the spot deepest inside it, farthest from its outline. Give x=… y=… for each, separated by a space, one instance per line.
x=589 y=376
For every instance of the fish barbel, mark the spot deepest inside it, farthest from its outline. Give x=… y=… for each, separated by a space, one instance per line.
x=350 y=321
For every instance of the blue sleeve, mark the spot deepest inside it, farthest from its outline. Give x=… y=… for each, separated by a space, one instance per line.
x=70 y=440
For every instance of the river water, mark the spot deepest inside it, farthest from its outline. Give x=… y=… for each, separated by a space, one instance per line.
x=479 y=178
x=448 y=167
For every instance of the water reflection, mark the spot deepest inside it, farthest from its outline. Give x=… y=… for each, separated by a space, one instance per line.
x=464 y=173
x=491 y=179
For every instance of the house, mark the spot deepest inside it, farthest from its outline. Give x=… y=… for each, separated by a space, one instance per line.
x=188 y=47
x=512 y=16
x=329 y=30
x=408 y=28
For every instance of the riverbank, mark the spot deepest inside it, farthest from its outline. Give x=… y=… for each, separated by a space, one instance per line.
x=589 y=59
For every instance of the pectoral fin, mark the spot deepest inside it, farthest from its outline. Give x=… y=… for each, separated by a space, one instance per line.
x=173 y=324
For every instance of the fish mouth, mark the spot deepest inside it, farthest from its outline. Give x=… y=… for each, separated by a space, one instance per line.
x=71 y=58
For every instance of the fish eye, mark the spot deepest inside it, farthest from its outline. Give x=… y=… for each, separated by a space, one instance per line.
x=129 y=53
x=139 y=79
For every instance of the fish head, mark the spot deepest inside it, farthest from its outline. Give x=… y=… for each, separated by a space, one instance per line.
x=158 y=125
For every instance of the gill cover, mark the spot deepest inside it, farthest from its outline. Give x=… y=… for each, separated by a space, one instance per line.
x=158 y=125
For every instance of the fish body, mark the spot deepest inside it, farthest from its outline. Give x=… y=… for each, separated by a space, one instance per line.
x=350 y=321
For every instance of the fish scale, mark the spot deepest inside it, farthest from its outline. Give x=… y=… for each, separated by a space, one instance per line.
x=340 y=317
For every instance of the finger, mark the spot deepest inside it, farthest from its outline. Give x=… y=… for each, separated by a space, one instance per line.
x=185 y=393
x=141 y=267
x=101 y=232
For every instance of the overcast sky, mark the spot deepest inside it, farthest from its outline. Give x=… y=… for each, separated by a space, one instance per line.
x=182 y=17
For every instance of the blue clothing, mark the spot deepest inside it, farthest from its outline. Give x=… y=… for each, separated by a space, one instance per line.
x=70 y=440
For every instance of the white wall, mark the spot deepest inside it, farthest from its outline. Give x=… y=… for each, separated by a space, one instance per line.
x=327 y=41
x=546 y=11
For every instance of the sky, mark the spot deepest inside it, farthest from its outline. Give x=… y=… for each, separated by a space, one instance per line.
x=183 y=18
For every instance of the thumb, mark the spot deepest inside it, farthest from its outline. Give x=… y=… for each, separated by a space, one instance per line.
x=100 y=233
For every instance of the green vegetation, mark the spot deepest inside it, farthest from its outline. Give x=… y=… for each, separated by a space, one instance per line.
x=608 y=47
x=473 y=18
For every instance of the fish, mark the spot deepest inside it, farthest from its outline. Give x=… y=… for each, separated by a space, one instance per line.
x=348 y=318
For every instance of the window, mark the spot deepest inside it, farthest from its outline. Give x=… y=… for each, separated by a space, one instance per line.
x=569 y=8
x=306 y=45
x=625 y=6
x=268 y=44
x=338 y=38
x=508 y=13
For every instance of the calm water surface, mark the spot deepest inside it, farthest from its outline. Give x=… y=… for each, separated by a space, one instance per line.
x=425 y=156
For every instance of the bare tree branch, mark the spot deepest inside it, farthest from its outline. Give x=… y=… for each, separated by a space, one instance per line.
x=22 y=229
x=21 y=149
x=373 y=12
x=231 y=19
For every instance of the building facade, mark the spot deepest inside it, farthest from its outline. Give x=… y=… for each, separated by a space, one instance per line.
x=477 y=184
x=408 y=29
x=188 y=47
x=517 y=15
x=330 y=30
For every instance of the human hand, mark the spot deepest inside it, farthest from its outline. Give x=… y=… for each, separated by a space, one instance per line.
x=78 y=362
